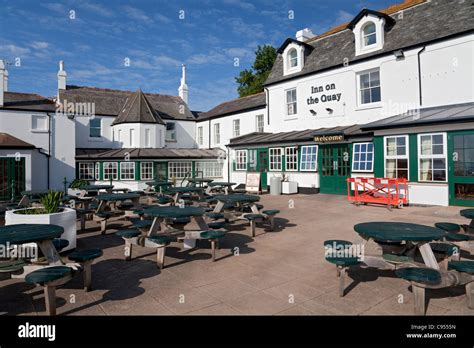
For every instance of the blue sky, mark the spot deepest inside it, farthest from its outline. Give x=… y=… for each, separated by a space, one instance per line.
x=96 y=43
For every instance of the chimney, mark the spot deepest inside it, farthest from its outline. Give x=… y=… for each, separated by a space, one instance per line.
x=61 y=76
x=305 y=34
x=183 y=88
x=2 y=81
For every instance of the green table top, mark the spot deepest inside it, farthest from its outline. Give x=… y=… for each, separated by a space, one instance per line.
x=29 y=233
x=467 y=213
x=237 y=198
x=159 y=183
x=97 y=187
x=199 y=180
x=184 y=189
x=398 y=231
x=221 y=183
x=117 y=196
x=173 y=212
x=34 y=192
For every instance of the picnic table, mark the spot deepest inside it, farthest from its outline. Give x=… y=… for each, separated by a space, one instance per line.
x=218 y=185
x=41 y=234
x=160 y=214
x=34 y=193
x=415 y=237
x=89 y=188
x=469 y=214
x=158 y=183
x=106 y=198
x=178 y=191
x=237 y=200
x=199 y=181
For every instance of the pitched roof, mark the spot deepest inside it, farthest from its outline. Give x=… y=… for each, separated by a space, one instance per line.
x=433 y=115
x=8 y=141
x=366 y=12
x=296 y=136
x=27 y=101
x=251 y=102
x=160 y=153
x=137 y=109
x=426 y=22
x=291 y=40
x=109 y=102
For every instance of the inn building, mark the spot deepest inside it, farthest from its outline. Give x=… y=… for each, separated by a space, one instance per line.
x=389 y=94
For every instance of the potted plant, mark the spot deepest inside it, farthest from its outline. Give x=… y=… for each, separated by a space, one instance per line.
x=288 y=187
x=76 y=186
x=51 y=212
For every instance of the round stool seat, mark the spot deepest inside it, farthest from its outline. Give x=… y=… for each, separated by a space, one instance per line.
x=165 y=240
x=419 y=275
x=462 y=266
x=60 y=244
x=448 y=227
x=213 y=234
x=85 y=255
x=128 y=233
x=49 y=274
x=271 y=212
x=343 y=261
x=337 y=243
x=251 y=217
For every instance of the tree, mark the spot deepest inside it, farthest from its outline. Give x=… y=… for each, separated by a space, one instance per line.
x=251 y=80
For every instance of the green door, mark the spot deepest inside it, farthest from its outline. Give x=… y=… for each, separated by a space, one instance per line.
x=334 y=164
x=161 y=171
x=12 y=177
x=262 y=167
x=461 y=168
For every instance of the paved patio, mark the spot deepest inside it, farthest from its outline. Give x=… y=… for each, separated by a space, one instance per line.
x=281 y=272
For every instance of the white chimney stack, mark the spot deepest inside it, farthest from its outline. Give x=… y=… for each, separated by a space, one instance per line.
x=61 y=76
x=2 y=81
x=305 y=34
x=183 y=88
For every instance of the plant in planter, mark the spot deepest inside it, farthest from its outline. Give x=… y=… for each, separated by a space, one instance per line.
x=50 y=212
x=76 y=186
x=288 y=187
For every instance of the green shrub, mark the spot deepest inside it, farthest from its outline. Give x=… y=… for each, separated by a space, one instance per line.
x=78 y=184
x=52 y=201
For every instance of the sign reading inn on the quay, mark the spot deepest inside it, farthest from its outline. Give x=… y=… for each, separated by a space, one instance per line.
x=322 y=94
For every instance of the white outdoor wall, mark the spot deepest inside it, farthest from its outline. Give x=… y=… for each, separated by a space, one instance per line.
x=83 y=140
x=63 y=151
x=185 y=135
x=445 y=81
x=247 y=125
x=430 y=194
x=18 y=124
x=157 y=138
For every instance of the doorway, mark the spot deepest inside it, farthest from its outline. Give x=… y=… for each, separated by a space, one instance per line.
x=335 y=168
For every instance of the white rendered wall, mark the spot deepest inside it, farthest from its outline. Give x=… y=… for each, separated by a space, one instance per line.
x=430 y=194
x=446 y=79
x=185 y=135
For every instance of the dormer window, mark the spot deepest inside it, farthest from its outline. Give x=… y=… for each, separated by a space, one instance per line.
x=369 y=28
x=369 y=34
x=292 y=58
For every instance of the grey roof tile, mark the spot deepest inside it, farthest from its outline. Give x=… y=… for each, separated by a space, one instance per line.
x=250 y=102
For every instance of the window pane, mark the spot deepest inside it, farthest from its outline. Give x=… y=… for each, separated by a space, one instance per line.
x=364 y=81
x=438 y=149
x=390 y=168
x=438 y=139
x=376 y=94
x=374 y=79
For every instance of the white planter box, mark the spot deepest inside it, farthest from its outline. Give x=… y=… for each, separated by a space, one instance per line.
x=289 y=187
x=65 y=219
x=73 y=192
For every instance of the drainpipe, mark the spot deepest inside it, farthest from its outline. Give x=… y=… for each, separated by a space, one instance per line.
x=419 y=75
x=268 y=104
x=228 y=164
x=48 y=156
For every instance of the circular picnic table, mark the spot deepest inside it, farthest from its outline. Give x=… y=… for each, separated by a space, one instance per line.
x=237 y=198
x=221 y=183
x=114 y=197
x=184 y=189
x=398 y=231
x=159 y=183
x=97 y=187
x=467 y=213
x=29 y=233
x=173 y=212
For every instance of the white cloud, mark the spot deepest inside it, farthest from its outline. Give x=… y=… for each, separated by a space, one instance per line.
x=39 y=45
x=242 y=4
x=14 y=50
x=137 y=14
x=97 y=8
x=238 y=26
x=55 y=7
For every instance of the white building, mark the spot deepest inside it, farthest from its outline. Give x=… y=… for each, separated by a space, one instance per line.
x=389 y=94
